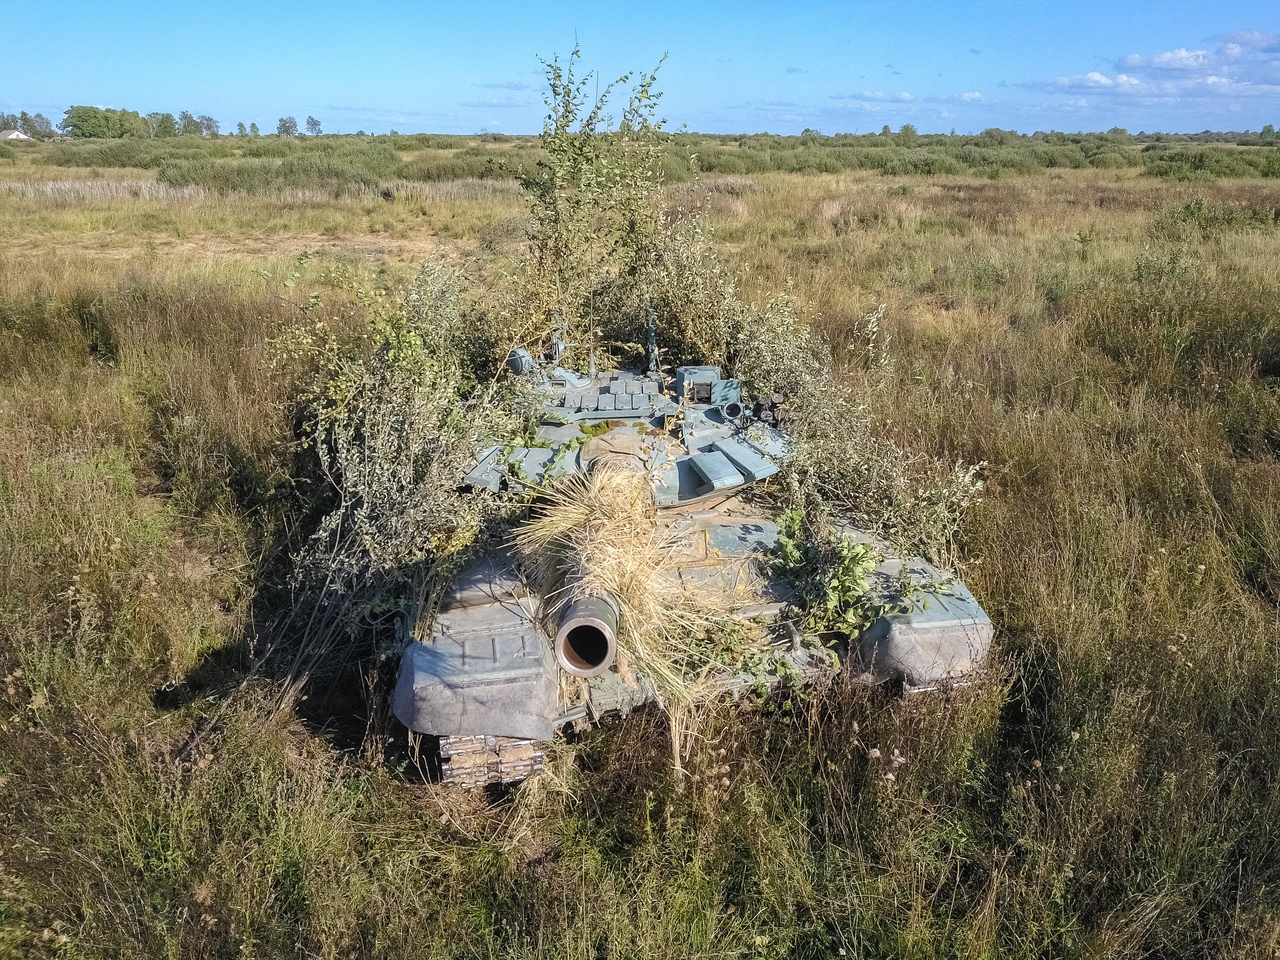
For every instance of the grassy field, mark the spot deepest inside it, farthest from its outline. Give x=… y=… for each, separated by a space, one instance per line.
x=1106 y=340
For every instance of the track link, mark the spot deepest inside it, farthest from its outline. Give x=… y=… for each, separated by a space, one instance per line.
x=479 y=761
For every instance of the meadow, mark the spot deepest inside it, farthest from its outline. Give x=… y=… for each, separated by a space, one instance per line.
x=1102 y=334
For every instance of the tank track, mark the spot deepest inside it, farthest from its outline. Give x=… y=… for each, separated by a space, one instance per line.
x=479 y=761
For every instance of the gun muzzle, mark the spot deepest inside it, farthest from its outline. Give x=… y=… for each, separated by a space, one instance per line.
x=587 y=639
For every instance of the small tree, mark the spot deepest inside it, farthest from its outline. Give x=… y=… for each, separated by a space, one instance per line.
x=188 y=125
x=162 y=125
x=209 y=127
x=1268 y=132
x=287 y=127
x=240 y=130
x=593 y=199
x=83 y=122
x=37 y=127
x=907 y=135
x=313 y=127
x=253 y=130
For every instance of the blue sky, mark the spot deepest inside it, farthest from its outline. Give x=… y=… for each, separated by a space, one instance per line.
x=731 y=67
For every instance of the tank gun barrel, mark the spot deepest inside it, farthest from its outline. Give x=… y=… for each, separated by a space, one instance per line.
x=587 y=637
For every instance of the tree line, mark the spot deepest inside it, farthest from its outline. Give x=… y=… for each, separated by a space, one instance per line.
x=101 y=123
x=34 y=125
x=85 y=122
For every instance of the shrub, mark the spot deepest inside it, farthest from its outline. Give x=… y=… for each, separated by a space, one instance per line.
x=1210 y=219
x=329 y=173
x=922 y=163
x=1207 y=163
x=145 y=154
x=1109 y=160
x=395 y=417
x=471 y=163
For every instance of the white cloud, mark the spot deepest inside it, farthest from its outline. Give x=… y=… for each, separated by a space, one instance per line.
x=494 y=104
x=1093 y=80
x=1242 y=65
x=1180 y=59
x=506 y=85
x=875 y=96
x=972 y=96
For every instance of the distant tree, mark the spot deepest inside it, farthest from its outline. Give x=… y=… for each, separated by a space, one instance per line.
x=393 y=133
x=84 y=122
x=37 y=127
x=1268 y=132
x=313 y=127
x=359 y=133
x=209 y=127
x=188 y=125
x=995 y=137
x=240 y=130
x=809 y=132
x=908 y=135
x=162 y=124
x=885 y=131
x=9 y=121
x=287 y=127
x=126 y=123
x=253 y=130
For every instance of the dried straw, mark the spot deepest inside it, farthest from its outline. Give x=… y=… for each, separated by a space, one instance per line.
x=599 y=533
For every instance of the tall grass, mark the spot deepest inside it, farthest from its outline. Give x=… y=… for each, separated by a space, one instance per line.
x=1109 y=345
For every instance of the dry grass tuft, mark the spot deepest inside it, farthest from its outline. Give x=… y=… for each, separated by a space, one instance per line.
x=599 y=533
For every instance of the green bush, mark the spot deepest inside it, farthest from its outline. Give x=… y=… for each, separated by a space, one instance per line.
x=721 y=160
x=425 y=141
x=472 y=162
x=436 y=157
x=1203 y=163
x=276 y=148
x=922 y=162
x=1210 y=219
x=145 y=154
x=1108 y=160
x=333 y=175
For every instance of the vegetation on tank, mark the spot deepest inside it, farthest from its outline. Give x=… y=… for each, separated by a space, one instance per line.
x=398 y=414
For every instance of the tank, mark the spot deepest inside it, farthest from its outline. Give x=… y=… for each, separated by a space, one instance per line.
x=501 y=666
